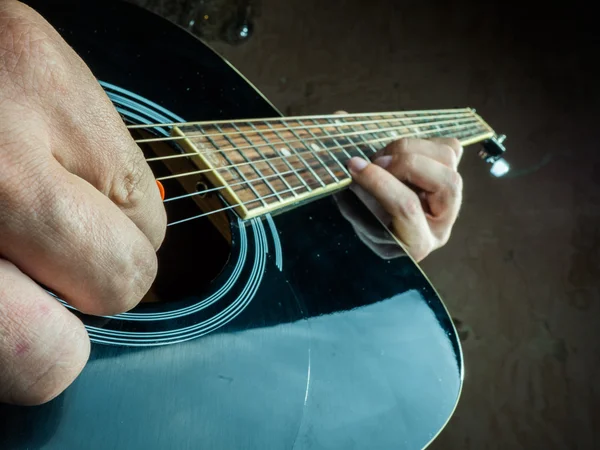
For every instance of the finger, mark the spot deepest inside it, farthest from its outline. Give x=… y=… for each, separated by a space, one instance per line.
x=43 y=347
x=438 y=149
x=80 y=244
x=104 y=154
x=442 y=185
x=403 y=205
x=453 y=143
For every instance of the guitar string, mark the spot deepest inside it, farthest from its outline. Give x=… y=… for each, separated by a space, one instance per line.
x=195 y=172
x=282 y=142
x=274 y=175
x=238 y=204
x=315 y=138
x=206 y=191
x=324 y=116
x=424 y=120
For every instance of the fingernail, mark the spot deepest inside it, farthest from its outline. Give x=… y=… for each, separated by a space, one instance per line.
x=357 y=164
x=383 y=161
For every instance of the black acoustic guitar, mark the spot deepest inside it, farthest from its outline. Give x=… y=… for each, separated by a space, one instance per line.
x=270 y=326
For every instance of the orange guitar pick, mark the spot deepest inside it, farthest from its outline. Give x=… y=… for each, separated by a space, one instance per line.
x=161 y=189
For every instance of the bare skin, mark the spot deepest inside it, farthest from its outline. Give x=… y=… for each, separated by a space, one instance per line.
x=81 y=214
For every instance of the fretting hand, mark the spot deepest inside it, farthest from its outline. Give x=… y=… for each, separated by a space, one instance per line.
x=414 y=187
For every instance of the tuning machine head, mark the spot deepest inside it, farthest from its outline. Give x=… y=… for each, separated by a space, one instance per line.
x=491 y=152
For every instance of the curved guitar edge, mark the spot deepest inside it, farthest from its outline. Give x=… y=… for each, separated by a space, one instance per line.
x=443 y=304
x=225 y=60
x=462 y=360
x=257 y=105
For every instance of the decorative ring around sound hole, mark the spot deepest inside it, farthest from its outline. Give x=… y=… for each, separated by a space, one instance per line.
x=202 y=314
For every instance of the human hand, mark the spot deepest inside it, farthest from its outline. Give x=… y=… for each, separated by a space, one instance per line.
x=79 y=208
x=414 y=187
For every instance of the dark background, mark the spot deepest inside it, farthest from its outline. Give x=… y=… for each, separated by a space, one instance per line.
x=521 y=272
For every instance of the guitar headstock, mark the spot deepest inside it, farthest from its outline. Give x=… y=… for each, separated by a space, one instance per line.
x=492 y=153
x=493 y=149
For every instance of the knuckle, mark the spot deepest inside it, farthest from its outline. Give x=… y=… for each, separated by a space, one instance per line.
x=421 y=249
x=127 y=190
x=450 y=156
x=400 y=146
x=455 y=144
x=412 y=205
x=409 y=207
x=456 y=148
x=455 y=184
x=134 y=275
x=444 y=237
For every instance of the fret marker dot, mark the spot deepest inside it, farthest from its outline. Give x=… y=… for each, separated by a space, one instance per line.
x=394 y=134
x=315 y=147
x=285 y=152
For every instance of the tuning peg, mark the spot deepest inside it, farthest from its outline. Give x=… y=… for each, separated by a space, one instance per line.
x=499 y=168
x=491 y=152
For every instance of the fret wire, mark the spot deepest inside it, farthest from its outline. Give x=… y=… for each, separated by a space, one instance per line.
x=237 y=169
x=392 y=128
x=239 y=183
x=329 y=151
x=365 y=141
x=461 y=118
x=285 y=160
x=433 y=113
x=346 y=135
x=316 y=155
x=414 y=126
x=246 y=182
x=168 y=177
x=394 y=132
x=245 y=147
x=317 y=178
x=358 y=148
x=234 y=206
x=259 y=172
x=336 y=142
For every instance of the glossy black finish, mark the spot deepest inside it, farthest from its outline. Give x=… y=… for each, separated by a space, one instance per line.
x=338 y=349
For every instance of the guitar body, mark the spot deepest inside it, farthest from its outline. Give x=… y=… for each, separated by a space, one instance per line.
x=285 y=332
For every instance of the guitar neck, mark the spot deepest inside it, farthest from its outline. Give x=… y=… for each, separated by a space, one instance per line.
x=267 y=165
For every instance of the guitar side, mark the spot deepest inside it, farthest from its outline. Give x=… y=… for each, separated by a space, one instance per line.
x=336 y=347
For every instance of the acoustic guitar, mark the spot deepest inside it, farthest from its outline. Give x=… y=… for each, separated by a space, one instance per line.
x=285 y=315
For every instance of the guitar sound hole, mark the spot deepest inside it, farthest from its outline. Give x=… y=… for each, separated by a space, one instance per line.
x=195 y=252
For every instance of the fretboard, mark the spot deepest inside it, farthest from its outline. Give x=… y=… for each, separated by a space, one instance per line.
x=267 y=165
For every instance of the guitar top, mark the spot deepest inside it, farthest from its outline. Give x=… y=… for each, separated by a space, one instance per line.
x=271 y=332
